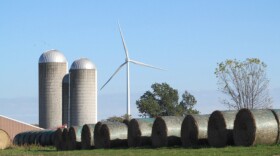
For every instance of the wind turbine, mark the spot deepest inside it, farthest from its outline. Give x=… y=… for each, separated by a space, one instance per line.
x=127 y=61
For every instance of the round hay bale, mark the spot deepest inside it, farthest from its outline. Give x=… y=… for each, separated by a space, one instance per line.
x=5 y=141
x=52 y=136
x=21 y=138
x=64 y=145
x=97 y=143
x=44 y=140
x=26 y=137
x=87 y=139
x=139 y=132
x=38 y=138
x=74 y=135
x=194 y=130
x=166 y=131
x=220 y=128
x=29 y=137
x=47 y=138
x=252 y=127
x=32 y=137
x=277 y=116
x=58 y=139
x=16 y=139
x=113 y=135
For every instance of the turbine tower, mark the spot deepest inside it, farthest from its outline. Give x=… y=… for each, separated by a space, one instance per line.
x=127 y=61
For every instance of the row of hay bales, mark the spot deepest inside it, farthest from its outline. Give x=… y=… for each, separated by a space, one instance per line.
x=100 y=135
x=221 y=128
x=244 y=127
x=43 y=138
x=162 y=131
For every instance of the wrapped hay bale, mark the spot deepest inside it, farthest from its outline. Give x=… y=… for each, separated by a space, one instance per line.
x=87 y=141
x=32 y=137
x=113 y=135
x=38 y=138
x=5 y=141
x=252 y=127
x=99 y=144
x=52 y=136
x=139 y=132
x=166 y=131
x=27 y=137
x=16 y=139
x=43 y=137
x=64 y=144
x=21 y=138
x=74 y=137
x=58 y=139
x=194 y=130
x=220 y=128
x=47 y=138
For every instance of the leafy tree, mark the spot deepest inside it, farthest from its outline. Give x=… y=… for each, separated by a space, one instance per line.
x=188 y=102
x=244 y=83
x=119 y=118
x=148 y=105
x=163 y=101
x=115 y=119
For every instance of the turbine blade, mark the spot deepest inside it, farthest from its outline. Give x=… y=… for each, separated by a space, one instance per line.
x=124 y=45
x=114 y=74
x=143 y=64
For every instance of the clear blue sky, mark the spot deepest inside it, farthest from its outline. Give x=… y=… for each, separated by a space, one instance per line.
x=188 y=38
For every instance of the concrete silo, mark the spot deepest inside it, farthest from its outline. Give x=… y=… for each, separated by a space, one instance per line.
x=52 y=68
x=83 y=92
x=65 y=99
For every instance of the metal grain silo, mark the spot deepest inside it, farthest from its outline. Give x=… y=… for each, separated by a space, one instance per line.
x=65 y=99
x=83 y=92
x=52 y=68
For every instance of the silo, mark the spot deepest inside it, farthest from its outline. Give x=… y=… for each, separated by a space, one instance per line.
x=65 y=99
x=52 y=68
x=83 y=92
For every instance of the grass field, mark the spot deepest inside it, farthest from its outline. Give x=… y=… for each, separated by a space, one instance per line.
x=234 y=151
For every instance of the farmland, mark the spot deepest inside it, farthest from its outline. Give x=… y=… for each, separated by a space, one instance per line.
x=234 y=151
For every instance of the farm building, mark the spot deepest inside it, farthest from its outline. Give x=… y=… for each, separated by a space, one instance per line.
x=13 y=127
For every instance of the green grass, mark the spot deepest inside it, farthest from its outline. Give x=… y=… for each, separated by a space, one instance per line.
x=234 y=151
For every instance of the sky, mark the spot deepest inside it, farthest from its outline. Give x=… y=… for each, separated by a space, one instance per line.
x=187 y=38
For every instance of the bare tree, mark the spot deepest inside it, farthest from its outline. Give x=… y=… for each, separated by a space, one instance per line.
x=245 y=83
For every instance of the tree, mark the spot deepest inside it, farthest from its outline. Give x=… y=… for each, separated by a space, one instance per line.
x=115 y=119
x=119 y=118
x=188 y=102
x=163 y=101
x=244 y=83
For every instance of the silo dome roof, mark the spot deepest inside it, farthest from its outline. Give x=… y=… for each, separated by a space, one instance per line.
x=52 y=56
x=82 y=63
x=65 y=79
